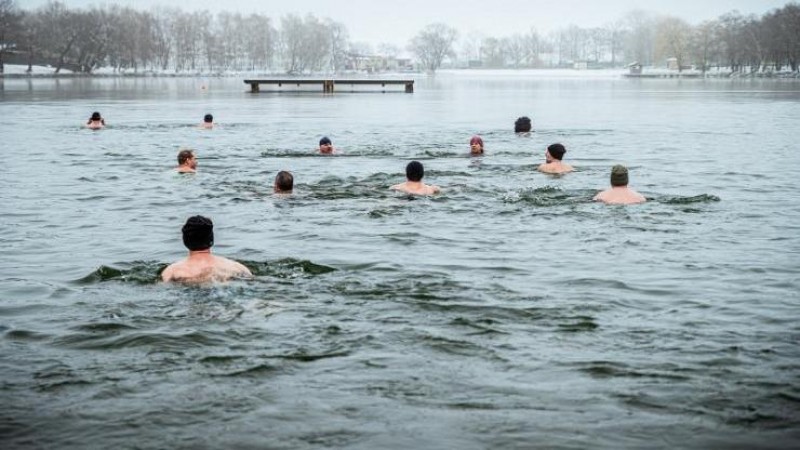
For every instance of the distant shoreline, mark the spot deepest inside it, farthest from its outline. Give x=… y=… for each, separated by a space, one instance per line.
x=41 y=73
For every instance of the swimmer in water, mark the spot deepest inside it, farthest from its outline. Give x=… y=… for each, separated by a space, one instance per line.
x=553 y=156
x=187 y=162
x=208 y=122
x=619 y=193
x=201 y=266
x=284 y=182
x=96 y=122
x=476 y=146
x=326 y=146
x=414 y=173
x=523 y=125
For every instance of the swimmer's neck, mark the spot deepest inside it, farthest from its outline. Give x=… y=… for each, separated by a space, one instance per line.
x=200 y=253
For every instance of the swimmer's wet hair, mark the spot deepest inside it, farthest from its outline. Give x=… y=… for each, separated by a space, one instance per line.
x=198 y=233
x=557 y=151
x=96 y=116
x=184 y=155
x=476 y=140
x=284 y=181
x=415 y=171
x=325 y=141
x=523 y=125
x=208 y=118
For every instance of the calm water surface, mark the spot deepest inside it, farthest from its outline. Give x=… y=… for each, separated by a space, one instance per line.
x=509 y=312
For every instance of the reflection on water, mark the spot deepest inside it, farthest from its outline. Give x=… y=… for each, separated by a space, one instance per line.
x=510 y=311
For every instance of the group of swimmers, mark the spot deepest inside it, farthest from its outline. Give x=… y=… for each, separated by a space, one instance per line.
x=198 y=231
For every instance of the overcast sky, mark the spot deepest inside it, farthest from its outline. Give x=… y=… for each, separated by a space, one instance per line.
x=395 y=22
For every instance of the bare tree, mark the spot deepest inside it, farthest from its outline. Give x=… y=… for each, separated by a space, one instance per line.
x=640 y=43
x=515 y=50
x=616 y=34
x=471 y=47
x=433 y=44
x=702 y=44
x=492 y=53
x=532 y=44
x=305 y=43
x=339 y=44
x=672 y=39
x=10 y=18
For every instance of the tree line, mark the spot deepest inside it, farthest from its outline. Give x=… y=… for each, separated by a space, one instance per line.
x=124 y=38
x=733 y=41
x=162 y=39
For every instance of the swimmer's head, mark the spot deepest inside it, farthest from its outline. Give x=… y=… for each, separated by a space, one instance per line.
x=96 y=116
x=208 y=118
x=198 y=233
x=522 y=125
x=619 y=175
x=284 y=181
x=476 y=145
x=556 y=151
x=325 y=145
x=415 y=171
x=185 y=156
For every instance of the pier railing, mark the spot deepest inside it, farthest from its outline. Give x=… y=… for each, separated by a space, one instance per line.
x=329 y=84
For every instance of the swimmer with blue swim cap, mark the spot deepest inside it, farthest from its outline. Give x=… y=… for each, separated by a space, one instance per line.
x=326 y=146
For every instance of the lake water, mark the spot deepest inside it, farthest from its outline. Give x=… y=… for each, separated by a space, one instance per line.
x=509 y=312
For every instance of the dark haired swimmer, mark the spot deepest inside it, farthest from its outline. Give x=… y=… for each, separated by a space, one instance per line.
x=414 y=185
x=620 y=193
x=326 y=146
x=208 y=122
x=96 y=122
x=201 y=266
x=553 y=156
x=284 y=182
x=187 y=162
x=523 y=125
x=476 y=145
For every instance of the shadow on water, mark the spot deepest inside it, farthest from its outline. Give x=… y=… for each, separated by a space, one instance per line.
x=549 y=196
x=680 y=200
x=287 y=268
x=137 y=272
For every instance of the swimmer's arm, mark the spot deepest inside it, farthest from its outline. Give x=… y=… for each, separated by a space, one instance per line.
x=241 y=269
x=436 y=189
x=168 y=274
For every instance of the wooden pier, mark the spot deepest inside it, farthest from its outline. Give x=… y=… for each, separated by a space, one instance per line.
x=328 y=85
